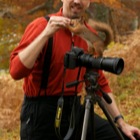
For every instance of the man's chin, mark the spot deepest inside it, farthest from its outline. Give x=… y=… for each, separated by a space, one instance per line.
x=74 y=16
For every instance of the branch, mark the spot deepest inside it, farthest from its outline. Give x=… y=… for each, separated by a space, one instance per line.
x=37 y=8
x=47 y=5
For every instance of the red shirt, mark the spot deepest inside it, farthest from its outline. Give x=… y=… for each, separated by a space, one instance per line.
x=62 y=42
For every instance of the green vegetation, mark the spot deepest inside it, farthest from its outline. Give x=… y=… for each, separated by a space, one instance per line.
x=9 y=134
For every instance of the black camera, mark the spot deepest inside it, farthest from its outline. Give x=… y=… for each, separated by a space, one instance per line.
x=76 y=58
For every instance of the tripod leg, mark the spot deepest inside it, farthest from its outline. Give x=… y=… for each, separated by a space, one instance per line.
x=86 y=118
x=92 y=123
x=110 y=119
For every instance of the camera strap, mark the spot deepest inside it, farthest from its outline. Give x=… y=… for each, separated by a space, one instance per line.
x=59 y=112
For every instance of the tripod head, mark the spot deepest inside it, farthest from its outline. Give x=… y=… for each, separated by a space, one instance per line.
x=92 y=86
x=91 y=81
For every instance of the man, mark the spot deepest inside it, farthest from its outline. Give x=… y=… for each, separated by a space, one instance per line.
x=40 y=105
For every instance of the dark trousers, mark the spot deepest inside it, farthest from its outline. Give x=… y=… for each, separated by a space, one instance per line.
x=38 y=116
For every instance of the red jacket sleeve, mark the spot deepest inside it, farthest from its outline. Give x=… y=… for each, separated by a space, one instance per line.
x=17 y=69
x=103 y=83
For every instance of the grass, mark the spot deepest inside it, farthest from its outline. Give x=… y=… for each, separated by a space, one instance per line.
x=9 y=134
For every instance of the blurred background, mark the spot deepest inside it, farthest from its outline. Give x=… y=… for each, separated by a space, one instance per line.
x=124 y=18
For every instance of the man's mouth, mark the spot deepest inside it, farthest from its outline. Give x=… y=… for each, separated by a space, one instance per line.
x=76 y=9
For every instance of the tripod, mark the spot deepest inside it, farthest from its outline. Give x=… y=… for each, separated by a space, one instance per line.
x=91 y=98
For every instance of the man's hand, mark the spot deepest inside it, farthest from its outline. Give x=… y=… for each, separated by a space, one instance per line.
x=55 y=23
x=130 y=131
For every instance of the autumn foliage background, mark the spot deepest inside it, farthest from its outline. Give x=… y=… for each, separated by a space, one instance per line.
x=15 y=15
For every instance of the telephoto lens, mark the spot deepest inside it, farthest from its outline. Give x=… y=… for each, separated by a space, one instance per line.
x=76 y=58
x=113 y=65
